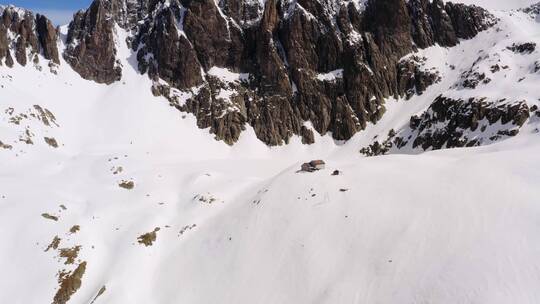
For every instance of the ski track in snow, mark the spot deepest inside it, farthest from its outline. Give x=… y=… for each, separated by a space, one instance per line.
x=238 y=224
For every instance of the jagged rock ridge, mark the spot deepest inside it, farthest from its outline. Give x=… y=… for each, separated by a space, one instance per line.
x=455 y=123
x=24 y=35
x=328 y=62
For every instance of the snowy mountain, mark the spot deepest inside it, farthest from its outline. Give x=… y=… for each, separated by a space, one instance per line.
x=151 y=152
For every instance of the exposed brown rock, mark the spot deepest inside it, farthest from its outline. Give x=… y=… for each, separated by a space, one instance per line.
x=451 y=123
x=47 y=36
x=5 y=146
x=91 y=49
x=149 y=238
x=165 y=52
x=468 y=20
x=70 y=282
x=216 y=41
x=46 y=116
x=244 y=13
x=24 y=43
x=54 y=244
x=26 y=39
x=74 y=229
x=289 y=48
x=462 y=115
x=29 y=37
x=51 y=142
x=412 y=79
x=5 y=54
x=70 y=254
x=127 y=185
x=308 y=137
x=100 y=293
x=50 y=217
x=523 y=48
x=390 y=24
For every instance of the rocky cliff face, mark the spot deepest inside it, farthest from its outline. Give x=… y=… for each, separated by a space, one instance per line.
x=91 y=48
x=466 y=115
x=24 y=36
x=456 y=123
x=328 y=62
x=274 y=65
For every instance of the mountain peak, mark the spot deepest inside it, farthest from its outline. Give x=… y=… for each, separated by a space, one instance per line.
x=27 y=36
x=285 y=46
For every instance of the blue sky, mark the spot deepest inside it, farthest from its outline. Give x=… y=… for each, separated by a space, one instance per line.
x=59 y=11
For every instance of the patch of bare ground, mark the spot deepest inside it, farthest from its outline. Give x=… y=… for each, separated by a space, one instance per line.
x=50 y=217
x=27 y=137
x=54 y=244
x=69 y=282
x=5 y=146
x=100 y=292
x=74 y=229
x=70 y=254
x=127 y=185
x=51 y=141
x=149 y=238
x=46 y=116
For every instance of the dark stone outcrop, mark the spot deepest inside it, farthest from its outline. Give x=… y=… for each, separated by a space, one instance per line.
x=26 y=39
x=47 y=36
x=127 y=14
x=243 y=13
x=331 y=63
x=456 y=123
x=5 y=53
x=164 y=50
x=413 y=79
x=536 y=66
x=533 y=10
x=523 y=48
x=30 y=35
x=471 y=79
x=216 y=40
x=437 y=22
x=468 y=20
x=91 y=49
x=459 y=116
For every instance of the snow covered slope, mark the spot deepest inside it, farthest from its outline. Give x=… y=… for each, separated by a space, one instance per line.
x=107 y=195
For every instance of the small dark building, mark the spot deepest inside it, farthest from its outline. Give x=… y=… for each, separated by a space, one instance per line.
x=313 y=165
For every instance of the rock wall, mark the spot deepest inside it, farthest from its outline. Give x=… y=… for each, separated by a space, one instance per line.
x=329 y=62
x=455 y=123
x=290 y=49
x=23 y=36
x=91 y=48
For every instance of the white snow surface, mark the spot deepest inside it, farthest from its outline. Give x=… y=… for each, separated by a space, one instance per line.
x=226 y=75
x=239 y=224
x=330 y=76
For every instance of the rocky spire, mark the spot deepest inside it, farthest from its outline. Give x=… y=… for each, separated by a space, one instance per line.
x=24 y=36
x=163 y=49
x=48 y=37
x=329 y=62
x=91 y=49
